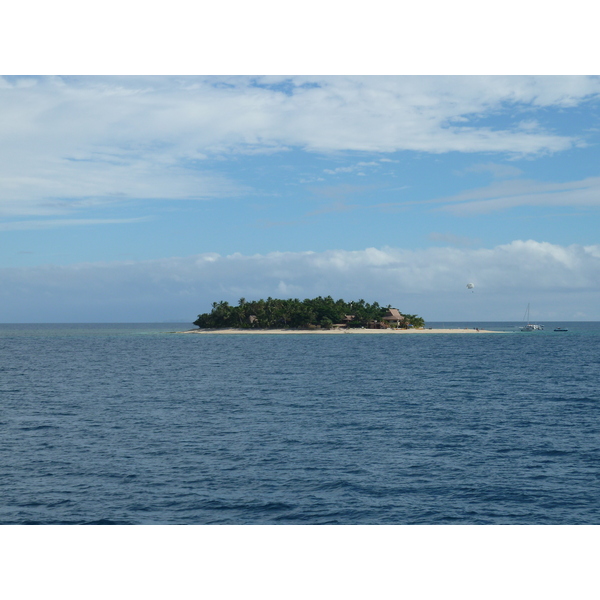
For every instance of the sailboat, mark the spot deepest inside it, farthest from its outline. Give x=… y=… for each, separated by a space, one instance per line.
x=530 y=326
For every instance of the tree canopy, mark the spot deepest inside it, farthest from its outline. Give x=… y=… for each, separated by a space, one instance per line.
x=321 y=312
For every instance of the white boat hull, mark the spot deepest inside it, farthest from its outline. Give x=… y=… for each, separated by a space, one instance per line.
x=531 y=327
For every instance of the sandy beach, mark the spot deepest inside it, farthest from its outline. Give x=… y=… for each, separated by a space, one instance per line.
x=357 y=331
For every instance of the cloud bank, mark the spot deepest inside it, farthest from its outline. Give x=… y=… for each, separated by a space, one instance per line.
x=430 y=282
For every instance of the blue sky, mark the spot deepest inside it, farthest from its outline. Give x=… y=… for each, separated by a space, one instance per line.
x=146 y=198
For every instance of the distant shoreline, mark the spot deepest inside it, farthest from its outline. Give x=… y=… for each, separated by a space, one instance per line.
x=351 y=331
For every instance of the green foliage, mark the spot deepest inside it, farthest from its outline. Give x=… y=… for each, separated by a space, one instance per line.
x=296 y=314
x=416 y=322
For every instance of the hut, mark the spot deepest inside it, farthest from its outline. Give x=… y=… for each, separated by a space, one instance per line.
x=394 y=317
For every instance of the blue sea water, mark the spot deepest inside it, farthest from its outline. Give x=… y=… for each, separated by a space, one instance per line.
x=132 y=424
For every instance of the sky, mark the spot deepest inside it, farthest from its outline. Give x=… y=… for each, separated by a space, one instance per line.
x=146 y=198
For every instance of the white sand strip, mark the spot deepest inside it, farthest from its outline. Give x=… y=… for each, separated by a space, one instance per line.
x=333 y=331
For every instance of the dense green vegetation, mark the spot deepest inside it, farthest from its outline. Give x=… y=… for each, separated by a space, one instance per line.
x=299 y=314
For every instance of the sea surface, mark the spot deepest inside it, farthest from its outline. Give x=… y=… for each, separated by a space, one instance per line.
x=133 y=424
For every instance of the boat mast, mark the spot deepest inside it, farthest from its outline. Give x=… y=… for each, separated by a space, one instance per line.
x=526 y=316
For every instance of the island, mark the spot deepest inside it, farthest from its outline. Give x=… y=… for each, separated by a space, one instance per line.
x=319 y=315
x=309 y=314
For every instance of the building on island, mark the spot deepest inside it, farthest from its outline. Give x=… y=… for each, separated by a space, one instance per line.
x=394 y=317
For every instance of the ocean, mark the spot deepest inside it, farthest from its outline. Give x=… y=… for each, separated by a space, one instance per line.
x=133 y=424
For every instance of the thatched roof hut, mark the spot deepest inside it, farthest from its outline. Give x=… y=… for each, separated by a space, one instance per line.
x=393 y=315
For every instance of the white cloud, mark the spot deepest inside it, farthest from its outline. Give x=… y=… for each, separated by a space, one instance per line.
x=509 y=194
x=58 y=187
x=562 y=280
x=339 y=170
x=350 y=169
x=147 y=137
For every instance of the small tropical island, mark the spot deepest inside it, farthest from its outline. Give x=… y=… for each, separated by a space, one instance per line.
x=309 y=314
x=317 y=315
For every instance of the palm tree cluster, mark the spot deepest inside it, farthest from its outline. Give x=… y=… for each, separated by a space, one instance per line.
x=321 y=312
